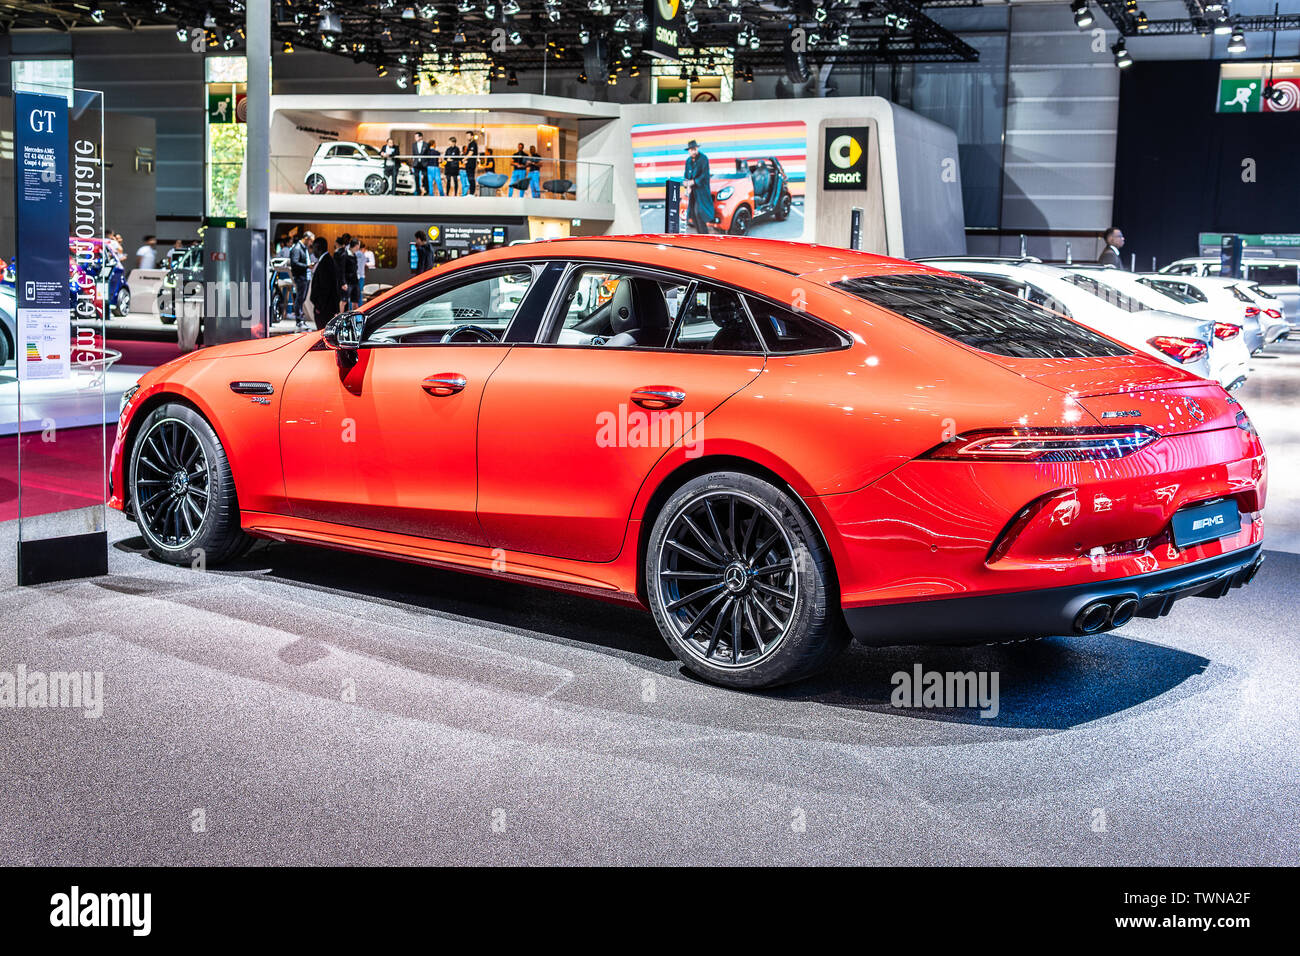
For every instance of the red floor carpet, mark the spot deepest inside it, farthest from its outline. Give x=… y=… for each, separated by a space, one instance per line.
x=58 y=475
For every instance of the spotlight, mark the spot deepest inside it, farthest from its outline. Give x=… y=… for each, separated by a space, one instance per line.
x=1082 y=14
x=408 y=13
x=584 y=36
x=626 y=51
x=753 y=42
x=820 y=14
x=843 y=38
x=97 y=14
x=228 y=42
x=516 y=37
x=1237 y=42
x=640 y=23
x=287 y=48
x=1143 y=23
x=381 y=70
x=512 y=80
x=1123 y=59
x=510 y=8
x=622 y=25
x=1274 y=94
x=160 y=7
x=182 y=34
x=692 y=24
x=1222 y=27
x=582 y=77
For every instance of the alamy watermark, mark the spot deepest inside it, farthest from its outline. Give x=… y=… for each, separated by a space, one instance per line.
x=946 y=690
x=22 y=689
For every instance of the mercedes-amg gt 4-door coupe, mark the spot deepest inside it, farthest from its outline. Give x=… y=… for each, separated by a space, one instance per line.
x=774 y=447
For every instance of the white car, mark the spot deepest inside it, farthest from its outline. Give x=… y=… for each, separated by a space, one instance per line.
x=1177 y=339
x=1279 y=277
x=354 y=167
x=1231 y=311
x=1261 y=319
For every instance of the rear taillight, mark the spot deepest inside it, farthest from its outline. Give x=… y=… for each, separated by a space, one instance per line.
x=1273 y=313
x=1178 y=348
x=1251 y=312
x=1226 y=330
x=1044 y=444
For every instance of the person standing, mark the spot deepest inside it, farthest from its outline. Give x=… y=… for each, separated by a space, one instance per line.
x=421 y=151
x=468 y=183
x=423 y=253
x=534 y=172
x=147 y=256
x=518 y=171
x=299 y=264
x=389 y=152
x=325 y=291
x=1114 y=243
x=355 y=248
x=345 y=265
x=700 y=212
x=451 y=167
x=434 y=168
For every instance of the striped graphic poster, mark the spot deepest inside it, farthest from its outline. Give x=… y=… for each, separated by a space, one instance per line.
x=757 y=170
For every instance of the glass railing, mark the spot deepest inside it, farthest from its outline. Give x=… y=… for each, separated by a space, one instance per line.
x=579 y=180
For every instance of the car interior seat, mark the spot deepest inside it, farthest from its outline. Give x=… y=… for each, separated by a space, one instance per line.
x=762 y=182
x=638 y=314
x=735 y=332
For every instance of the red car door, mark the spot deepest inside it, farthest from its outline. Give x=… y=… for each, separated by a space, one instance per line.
x=568 y=431
x=388 y=444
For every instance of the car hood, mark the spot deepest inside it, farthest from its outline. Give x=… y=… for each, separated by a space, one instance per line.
x=249 y=347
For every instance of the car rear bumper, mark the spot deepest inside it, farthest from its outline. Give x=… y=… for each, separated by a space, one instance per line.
x=1079 y=609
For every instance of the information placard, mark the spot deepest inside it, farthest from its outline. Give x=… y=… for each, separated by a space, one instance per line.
x=41 y=184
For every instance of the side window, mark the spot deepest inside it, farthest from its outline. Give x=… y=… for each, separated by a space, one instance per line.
x=787 y=331
x=1106 y=293
x=342 y=152
x=714 y=320
x=612 y=307
x=1023 y=290
x=477 y=310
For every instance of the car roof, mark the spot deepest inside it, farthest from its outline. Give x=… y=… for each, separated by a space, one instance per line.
x=794 y=258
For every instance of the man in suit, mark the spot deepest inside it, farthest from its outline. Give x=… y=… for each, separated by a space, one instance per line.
x=346 y=265
x=325 y=294
x=1114 y=243
x=421 y=151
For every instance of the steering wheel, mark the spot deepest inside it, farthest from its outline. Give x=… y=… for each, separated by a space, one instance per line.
x=478 y=333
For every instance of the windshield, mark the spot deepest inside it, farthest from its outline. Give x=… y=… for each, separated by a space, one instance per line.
x=371 y=152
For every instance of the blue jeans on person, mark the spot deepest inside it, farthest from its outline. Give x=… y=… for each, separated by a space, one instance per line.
x=435 y=180
x=517 y=181
x=355 y=292
x=534 y=183
x=464 y=182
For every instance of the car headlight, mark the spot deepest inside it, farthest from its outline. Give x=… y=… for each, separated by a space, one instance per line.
x=126 y=397
x=724 y=192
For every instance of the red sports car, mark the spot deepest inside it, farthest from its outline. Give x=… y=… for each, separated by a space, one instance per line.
x=772 y=446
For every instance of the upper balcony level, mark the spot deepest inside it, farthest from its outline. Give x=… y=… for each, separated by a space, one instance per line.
x=422 y=156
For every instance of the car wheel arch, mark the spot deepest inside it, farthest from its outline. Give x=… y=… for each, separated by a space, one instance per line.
x=145 y=409
x=693 y=468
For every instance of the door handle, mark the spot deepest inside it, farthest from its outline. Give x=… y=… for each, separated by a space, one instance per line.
x=655 y=397
x=444 y=383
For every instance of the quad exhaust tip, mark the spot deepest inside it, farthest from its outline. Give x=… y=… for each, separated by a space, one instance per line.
x=1124 y=610
x=1093 y=618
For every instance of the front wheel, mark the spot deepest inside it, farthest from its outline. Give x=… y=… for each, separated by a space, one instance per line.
x=316 y=184
x=182 y=491
x=740 y=221
x=376 y=185
x=122 y=304
x=741 y=585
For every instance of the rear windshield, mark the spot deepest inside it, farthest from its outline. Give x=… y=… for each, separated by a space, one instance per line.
x=981 y=316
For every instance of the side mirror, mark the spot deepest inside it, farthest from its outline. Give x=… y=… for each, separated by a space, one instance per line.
x=343 y=333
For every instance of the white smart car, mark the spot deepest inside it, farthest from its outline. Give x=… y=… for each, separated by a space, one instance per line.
x=1177 y=339
x=352 y=168
x=1278 y=277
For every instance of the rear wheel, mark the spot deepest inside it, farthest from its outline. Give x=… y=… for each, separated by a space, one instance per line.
x=182 y=491
x=783 y=207
x=740 y=584
x=122 y=304
x=376 y=185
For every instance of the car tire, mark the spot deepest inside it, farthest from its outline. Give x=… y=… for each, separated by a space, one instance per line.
x=741 y=585
x=191 y=520
x=376 y=185
x=740 y=220
x=168 y=319
x=316 y=184
x=122 y=304
x=783 y=207
x=6 y=349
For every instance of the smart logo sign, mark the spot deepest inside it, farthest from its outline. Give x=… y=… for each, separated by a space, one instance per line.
x=664 y=39
x=844 y=163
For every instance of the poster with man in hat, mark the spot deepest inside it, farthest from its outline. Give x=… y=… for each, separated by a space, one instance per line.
x=701 y=211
